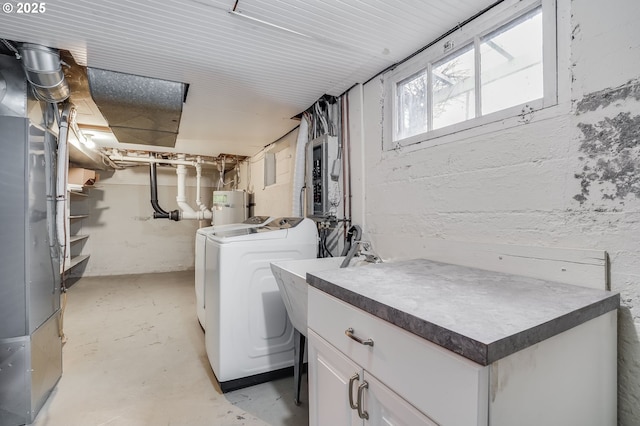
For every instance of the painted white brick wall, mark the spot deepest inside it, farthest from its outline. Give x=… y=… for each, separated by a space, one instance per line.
x=273 y=200
x=524 y=184
x=124 y=237
x=605 y=55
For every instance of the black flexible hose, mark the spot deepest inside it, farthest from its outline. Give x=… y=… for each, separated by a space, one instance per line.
x=153 y=177
x=324 y=243
x=353 y=236
x=355 y=229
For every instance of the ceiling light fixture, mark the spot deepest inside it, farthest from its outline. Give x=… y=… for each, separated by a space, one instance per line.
x=88 y=140
x=85 y=139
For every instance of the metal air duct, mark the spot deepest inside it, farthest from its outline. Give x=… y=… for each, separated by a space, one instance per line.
x=43 y=68
x=140 y=110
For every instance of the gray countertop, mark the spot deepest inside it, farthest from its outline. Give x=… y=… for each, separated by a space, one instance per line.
x=481 y=315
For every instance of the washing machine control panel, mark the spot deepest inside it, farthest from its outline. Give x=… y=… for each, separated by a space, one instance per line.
x=284 y=222
x=256 y=220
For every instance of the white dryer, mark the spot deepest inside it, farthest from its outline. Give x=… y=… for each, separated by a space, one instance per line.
x=249 y=338
x=201 y=239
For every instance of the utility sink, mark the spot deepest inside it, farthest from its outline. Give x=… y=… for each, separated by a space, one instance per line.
x=291 y=276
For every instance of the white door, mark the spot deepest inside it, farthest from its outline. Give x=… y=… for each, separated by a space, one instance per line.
x=387 y=408
x=329 y=380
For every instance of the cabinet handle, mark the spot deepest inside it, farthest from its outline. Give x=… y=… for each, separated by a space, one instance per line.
x=351 y=381
x=361 y=413
x=349 y=333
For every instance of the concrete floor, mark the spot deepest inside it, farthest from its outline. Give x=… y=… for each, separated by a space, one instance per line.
x=135 y=355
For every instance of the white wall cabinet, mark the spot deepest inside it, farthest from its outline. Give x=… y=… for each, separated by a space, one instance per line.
x=568 y=379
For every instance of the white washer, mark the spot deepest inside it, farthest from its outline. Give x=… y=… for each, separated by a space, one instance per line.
x=201 y=239
x=249 y=338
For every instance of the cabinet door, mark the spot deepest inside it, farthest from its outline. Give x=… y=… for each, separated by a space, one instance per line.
x=386 y=408
x=451 y=389
x=329 y=374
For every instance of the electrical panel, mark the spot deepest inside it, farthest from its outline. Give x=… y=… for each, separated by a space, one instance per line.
x=323 y=182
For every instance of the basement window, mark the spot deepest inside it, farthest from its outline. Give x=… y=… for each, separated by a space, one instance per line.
x=500 y=65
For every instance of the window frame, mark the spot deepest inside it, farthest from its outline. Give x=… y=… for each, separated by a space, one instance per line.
x=472 y=34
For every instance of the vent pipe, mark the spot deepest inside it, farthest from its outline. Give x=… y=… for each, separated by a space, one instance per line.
x=42 y=65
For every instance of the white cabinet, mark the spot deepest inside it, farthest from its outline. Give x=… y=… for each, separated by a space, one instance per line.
x=346 y=394
x=568 y=379
x=385 y=407
x=445 y=387
x=330 y=372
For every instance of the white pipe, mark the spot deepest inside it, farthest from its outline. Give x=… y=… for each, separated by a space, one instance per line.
x=199 y=202
x=198 y=176
x=61 y=174
x=120 y=157
x=181 y=198
x=196 y=215
x=299 y=166
x=221 y=175
x=186 y=211
x=50 y=188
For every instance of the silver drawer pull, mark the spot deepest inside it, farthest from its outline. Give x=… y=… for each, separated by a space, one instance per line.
x=352 y=379
x=349 y=333
x=362 y=413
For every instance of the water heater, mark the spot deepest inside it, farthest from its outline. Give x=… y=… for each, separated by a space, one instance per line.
x=229 y=207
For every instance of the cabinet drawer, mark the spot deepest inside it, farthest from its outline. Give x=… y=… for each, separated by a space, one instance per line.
x=447 y=387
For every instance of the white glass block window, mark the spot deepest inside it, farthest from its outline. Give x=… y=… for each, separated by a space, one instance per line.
x=501 y=65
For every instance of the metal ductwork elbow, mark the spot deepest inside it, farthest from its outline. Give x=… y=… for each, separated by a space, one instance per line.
x=43 y=68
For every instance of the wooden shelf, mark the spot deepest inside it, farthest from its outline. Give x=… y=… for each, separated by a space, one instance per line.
x=75 y=261
x=76 y=238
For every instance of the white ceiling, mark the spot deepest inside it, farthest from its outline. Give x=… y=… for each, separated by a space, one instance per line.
x=247 y=79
